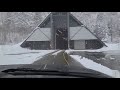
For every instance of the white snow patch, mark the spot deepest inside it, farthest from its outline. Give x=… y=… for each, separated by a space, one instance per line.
x=95 y=66
x=57 y=52
x=112 y=58
x=111 y=47
x=68 y=51
x=14 y=54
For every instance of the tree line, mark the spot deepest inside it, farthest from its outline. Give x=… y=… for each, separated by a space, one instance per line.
x=15 y=26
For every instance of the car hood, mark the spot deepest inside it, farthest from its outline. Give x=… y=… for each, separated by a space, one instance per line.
x=64 y=68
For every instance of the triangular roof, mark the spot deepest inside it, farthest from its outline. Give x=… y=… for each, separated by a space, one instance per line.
x=87 y=29
x=47 y=24
x=80 y=33
x=43 y=33
x=40 y=34
x=45 y=21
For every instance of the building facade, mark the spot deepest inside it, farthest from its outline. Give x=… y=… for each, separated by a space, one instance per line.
x=61 y=30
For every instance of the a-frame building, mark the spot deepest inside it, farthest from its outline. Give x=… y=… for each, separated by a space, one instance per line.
x=61 y=30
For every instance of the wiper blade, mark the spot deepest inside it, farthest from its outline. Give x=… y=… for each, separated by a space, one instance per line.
x=31 y=71
x=27 y=70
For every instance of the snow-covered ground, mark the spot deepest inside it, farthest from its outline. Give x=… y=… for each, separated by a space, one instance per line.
x=111 y=47
x=54 y=54
x=14 y=54
x=95 y=66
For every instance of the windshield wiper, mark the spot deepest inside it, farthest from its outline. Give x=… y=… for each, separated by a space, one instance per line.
x=31 y=71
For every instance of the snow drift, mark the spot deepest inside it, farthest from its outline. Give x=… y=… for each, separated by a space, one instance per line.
x=95 y=66
x=14 y=54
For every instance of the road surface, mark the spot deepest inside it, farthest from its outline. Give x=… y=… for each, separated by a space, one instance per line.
x=54 y=61
x=61 y=59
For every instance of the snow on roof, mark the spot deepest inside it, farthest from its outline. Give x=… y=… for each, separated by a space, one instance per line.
x=40 y=34
x=80 y=33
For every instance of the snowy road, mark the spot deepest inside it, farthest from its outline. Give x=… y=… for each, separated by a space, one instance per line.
x=15 y=55
x=59 y=59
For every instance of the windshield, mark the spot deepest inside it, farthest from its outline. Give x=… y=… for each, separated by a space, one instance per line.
x=60 y=43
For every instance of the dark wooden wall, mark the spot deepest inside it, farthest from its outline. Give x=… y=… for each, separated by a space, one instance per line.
x=37 y=45
x=60 y=23
x=93 y=44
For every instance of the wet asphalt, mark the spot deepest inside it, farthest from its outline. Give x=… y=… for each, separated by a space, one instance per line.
x=60 y=60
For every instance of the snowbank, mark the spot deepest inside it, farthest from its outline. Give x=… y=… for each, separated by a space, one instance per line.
x=14 y=54
x=111 y=47
x=95 y=66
